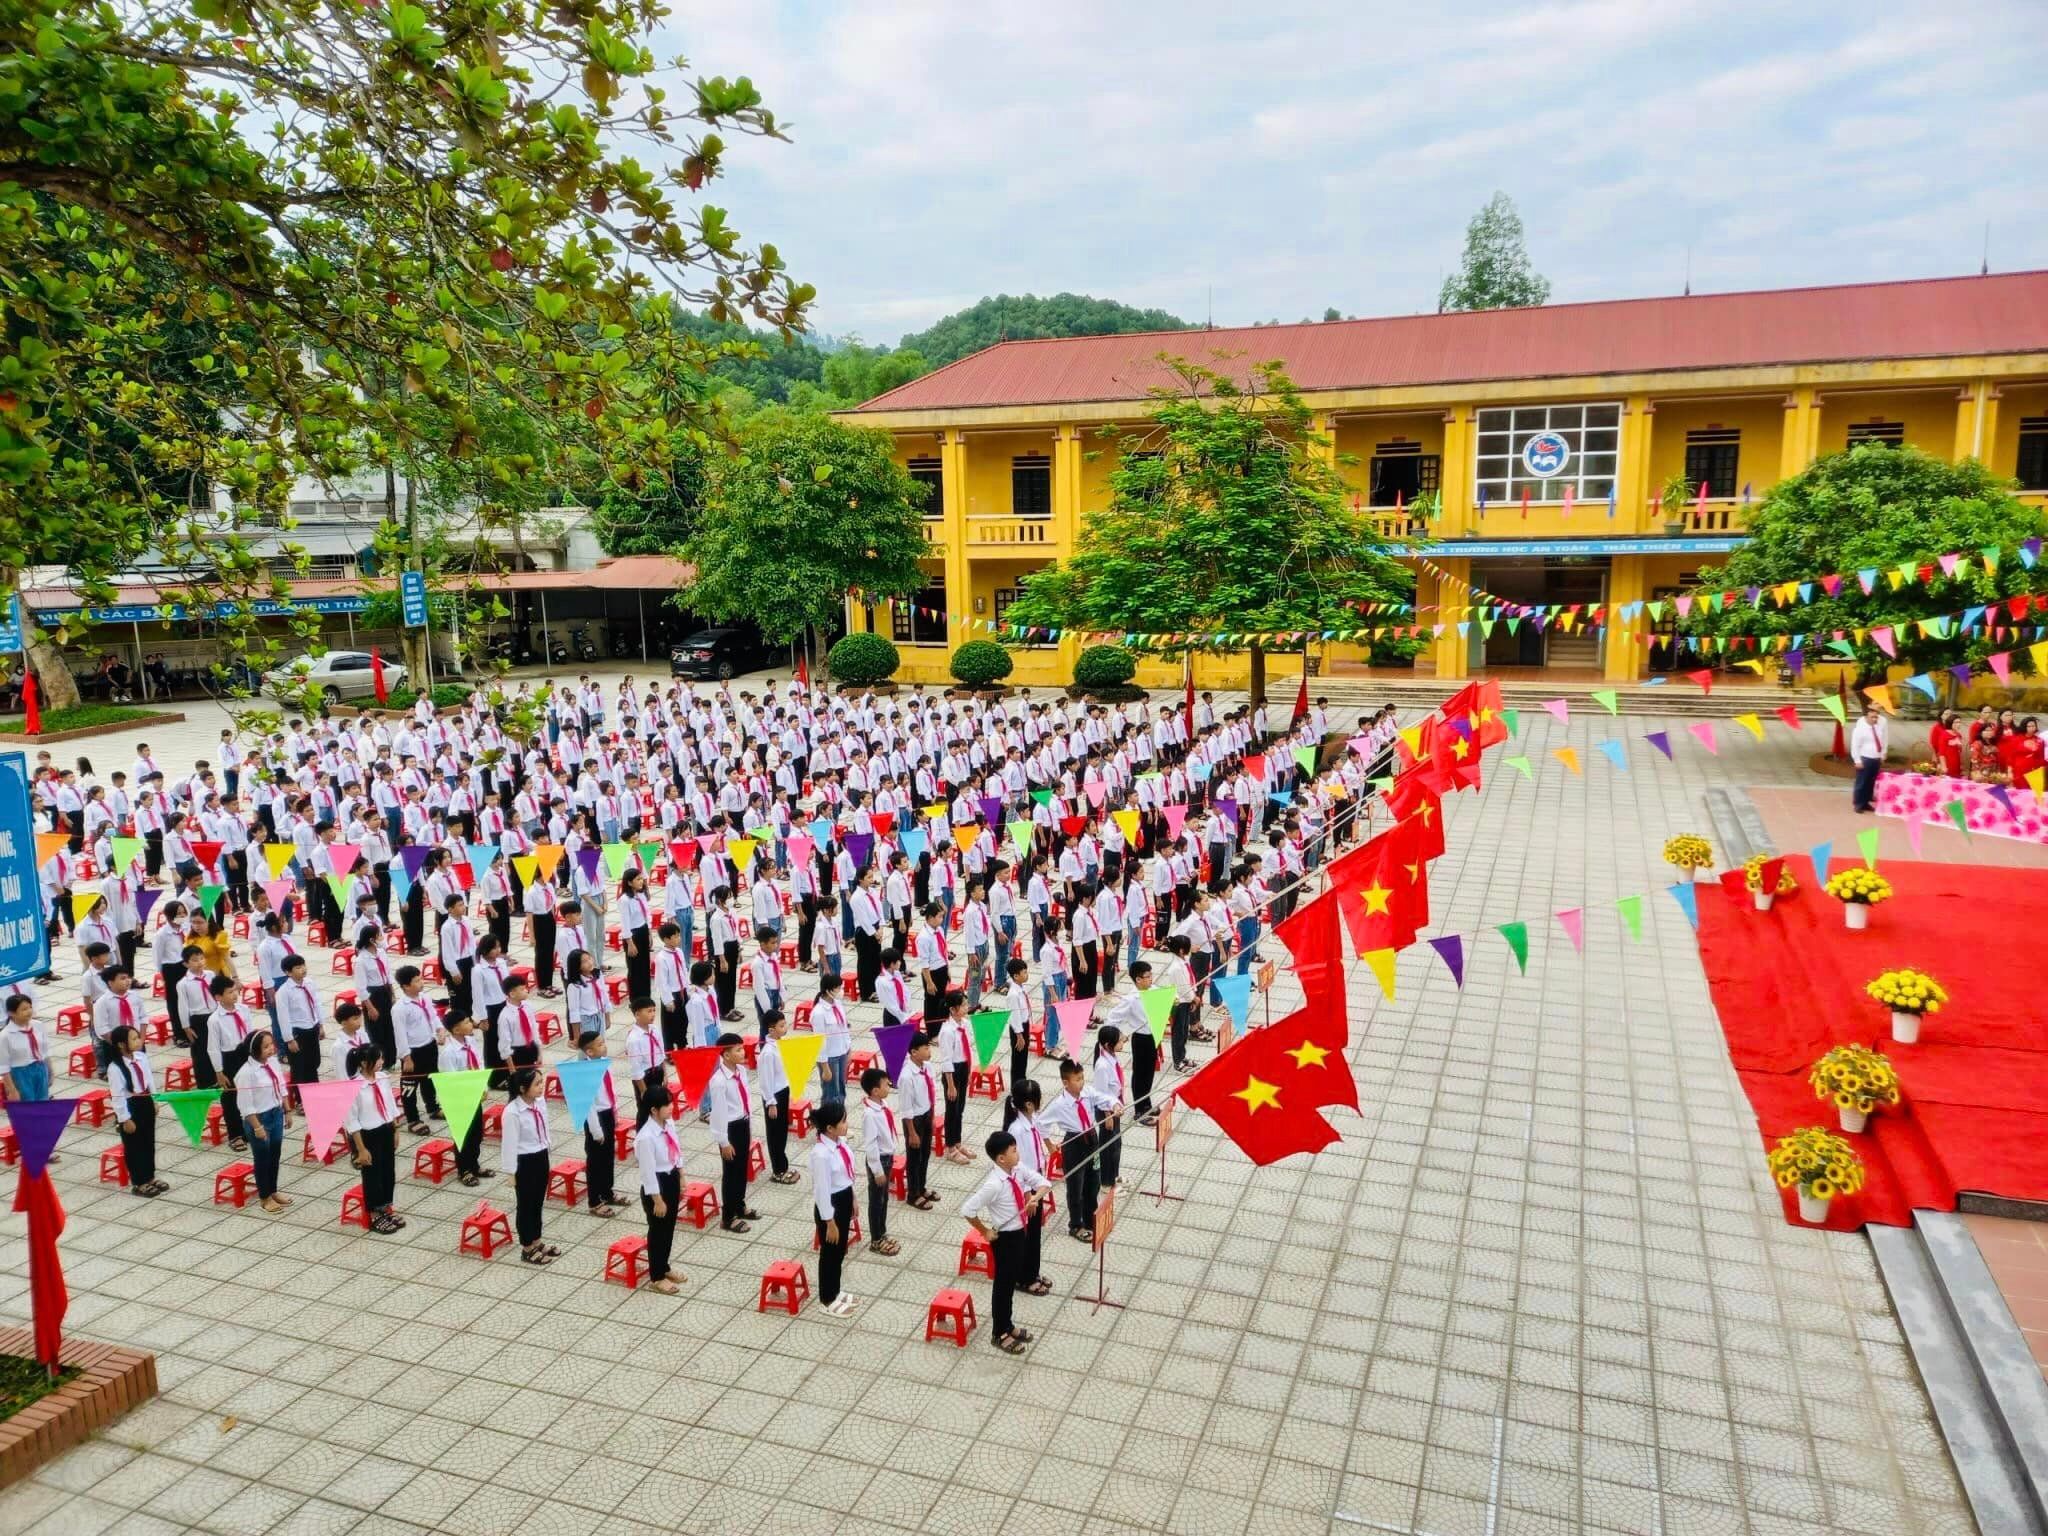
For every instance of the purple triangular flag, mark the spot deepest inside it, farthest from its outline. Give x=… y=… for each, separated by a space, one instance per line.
x=1227 y=809
x=893 y=1041
x=36 y=1129
x=2004 y=797
x=1661 y=740
x=414 y=857
x=991 y=810
x=859 y=845
x=1451 y=949
x=587 y=859
x=145 y=899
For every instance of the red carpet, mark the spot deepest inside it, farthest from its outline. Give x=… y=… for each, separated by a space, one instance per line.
x=1788 y=985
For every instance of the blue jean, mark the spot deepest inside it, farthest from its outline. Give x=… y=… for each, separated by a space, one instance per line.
x=832 y=1079
x=32 y=1082
x=267 y=1151
x=1133 y=947
x=977 y=960
x=1247 y=940
x=686 y=920
x=1008 y=926
x=1055 y=988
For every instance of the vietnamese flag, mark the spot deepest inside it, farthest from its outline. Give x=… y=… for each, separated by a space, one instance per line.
x=1301 y=698
x=31 y=703
x=377 y=675
x=1411 y=798
x=1377 y=897
x=1461 y=752
x=1491 y=714
x=1411 y=857
x=1263 y=1092
x=1312 y=938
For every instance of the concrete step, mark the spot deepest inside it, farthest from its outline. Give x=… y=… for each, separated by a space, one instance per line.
x=1677 y=698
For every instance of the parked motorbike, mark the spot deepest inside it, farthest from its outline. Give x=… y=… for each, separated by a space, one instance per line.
x=579 y=641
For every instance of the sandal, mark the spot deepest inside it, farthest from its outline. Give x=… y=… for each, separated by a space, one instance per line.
x=1023 y=1335
x=551 y=1250
x=603 y=1211
x=1010 y=1344
x=468 y=1180
x=534 y=1255
x=665 y=1287
x=734 y=1226
x=887 y=1247
x=787 y=1176
x=1037 y=1288
x=1081 y=1235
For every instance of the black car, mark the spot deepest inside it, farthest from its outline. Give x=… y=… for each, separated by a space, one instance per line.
x=720 y=653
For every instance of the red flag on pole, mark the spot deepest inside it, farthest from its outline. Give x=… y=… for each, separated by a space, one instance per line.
x=31 y=703
x=1840 y=750
x=377 y=675
x=1263 y=1093
x=1301 y=698
x=803 y=672
x=1188 y=709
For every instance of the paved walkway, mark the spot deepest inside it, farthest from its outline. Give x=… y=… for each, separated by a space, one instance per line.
x=1543 y=1286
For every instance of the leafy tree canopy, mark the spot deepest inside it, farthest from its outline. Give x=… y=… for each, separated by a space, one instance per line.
x=1878 y=508
x=658 y=519
x=808 y=510
x=1494 y=272
x=1021 y=318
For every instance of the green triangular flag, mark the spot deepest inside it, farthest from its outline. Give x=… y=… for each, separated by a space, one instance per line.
x=988 y=1027
x=1042 y=796
x=1020 y=834
x=1380 y=784
x=190 y=1106
x=615 y=856
x=1486 y=629
x=1515 y=625
x=1632 y=914
x=209 y=897
x=648 y=852
x=1608 y=700
x=460 y=1094
x=1867 y=841
x=1520 y=765
x=1517 y=935
x=1833 y=706
x=1305 y=759
x=1960 y=815
x=1158 y=1003
x=341 y=885
x=1514 y=720
x=126 y=851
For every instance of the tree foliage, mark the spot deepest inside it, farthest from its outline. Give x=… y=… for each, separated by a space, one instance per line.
x=1877 y=508
x=1494 y=272
x=1220 y=518
x=659 y=519
x=808 y=510
x=1021 y=318
x=863 y=658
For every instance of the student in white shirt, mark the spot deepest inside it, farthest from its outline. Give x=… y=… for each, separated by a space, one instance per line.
x=524 y=1154
x=298 y=1020
x=1035 y=1152
x=732 y=1114
x=459 y=1053
x=955 y=1052
x=1105 y=1094
x=1070 y=1115
x=1016 y=1000
x=832 y=1202
x=772 y=1078
x=600 y=1145
x=131 y=1090
x=878 y=1140
x=828 y=1018
x=920 y=1104
x=262 y=1098
x=646 y=1058
x=658 y=1150
x=1001 y=1208
x=24 y=1052
x=228 y=1032
x=373 y=1135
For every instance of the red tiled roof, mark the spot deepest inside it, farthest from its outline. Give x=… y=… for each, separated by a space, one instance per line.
x=1931 y=317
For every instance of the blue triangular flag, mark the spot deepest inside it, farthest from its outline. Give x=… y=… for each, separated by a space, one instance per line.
x=1616 y=753
x=821 y=832
x=1688 y=900
x=579 y=1085
x=1281 y=797
x=913 y=841
x=2004 y=797
x=401 y=882
x=1820 y=855
x=480 y=856
x=1236 y=992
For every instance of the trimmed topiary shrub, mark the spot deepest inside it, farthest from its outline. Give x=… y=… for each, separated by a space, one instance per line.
x=981 y=664
x=1104 y=666
x=863 y=658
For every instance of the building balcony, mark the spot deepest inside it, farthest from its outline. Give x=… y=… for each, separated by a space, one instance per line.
x=1391 y=524
x=1725 y=514
x=1024 y=534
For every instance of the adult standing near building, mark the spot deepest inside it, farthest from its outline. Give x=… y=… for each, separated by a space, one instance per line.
x=1867 y=744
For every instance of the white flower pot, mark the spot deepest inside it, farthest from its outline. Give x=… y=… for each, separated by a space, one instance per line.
x=1702 y=874
x=1763 y=899
x=1856 y=914
x=1905 y=1027
x=1812 y=1208
x=1854 y=1120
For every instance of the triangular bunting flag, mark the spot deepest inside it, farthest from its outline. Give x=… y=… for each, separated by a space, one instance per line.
x=190 y=1105
x=1688 y=900
x=694 y=1067
x=1158 y=1003
x=1573 y=921
x=326 y=1106
x=579 y=1078
x=1450 y=948
x=460 y=1094
x=1381 y=963
x=1517 y=935
x=893 y=1041
x=800 y=1055
x=1631 y=909
x=988 y=1027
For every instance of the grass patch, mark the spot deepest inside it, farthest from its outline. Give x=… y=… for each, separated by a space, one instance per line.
x=82 y=717
x=22 y=1381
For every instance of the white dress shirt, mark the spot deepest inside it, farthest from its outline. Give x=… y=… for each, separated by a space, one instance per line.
x=658 y=1149
x=1002 y=1199
x=524 y=1129
x=831 y=1171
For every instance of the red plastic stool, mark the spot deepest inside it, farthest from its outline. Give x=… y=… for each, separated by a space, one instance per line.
x=612 y=940
x=10 y=1146
x=615 y=989
x=550 y=1027
x=308 y=1155
x=343 y=963
x=801 y=1018
x=788 y=952
x=985 y=1085
x=238 y=926
x=431 y=972
x=434 y=1159
x=800 y=1119
x=156 y=985
x=316 y=934
x=345 y=995
x=216 y=1131
x=552 y=1089
x=114 y=1166
x=757 y=1160
x=858 y=1062
x=177 y=1074
x=93 y=1107
x=253 y=994
x=71 y=1019
x=700 y=1204
x=751 y=1049
x=485 y=1230
x=1056 y=1165
x=899 y=1180
x=234 y=1184
x=624 y=1259
x=977 y=1256
x=353 y=1212
x=494 y=1122
x=851 y=986
x=785 y=1285
x=1037 y=1038
x=622 y=1140
x=566 y=1179
x=954 y=1309
x=83 y=1062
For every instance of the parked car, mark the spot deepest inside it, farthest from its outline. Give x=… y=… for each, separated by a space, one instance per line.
x=721 y=653
x=339 y=674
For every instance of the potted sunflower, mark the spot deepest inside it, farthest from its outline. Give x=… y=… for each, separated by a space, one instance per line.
x=1858 y=890
x=1909 y=994
x=1690 y=853
x=1858 y=1080
x=1753 y=876
x=1820 y=1165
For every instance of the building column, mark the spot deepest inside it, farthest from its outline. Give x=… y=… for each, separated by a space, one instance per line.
x=1066 y=519
x=1454 y=476
x=1802 y=425
x=1452 y=650
x=953 y=488
x=1976 y=420
x=1633 y=488
x=1324 y=428
x=1624 y=659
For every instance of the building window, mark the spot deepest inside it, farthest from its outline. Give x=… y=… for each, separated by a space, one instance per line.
x=2032 y=467
x=921 y=618
x=1584 y=443
x=930 y=475
x=1711 y=455
x=1890 y=433
x=1401 y=472
x=1031 y=485
x=1004 y=596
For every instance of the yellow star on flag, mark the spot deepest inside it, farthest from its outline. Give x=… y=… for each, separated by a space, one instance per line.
x=1308 y=1054
x=1485 y=716
x=1376 y=897
x=1425 y=811
x=1258 y=1095
x=1460 y=748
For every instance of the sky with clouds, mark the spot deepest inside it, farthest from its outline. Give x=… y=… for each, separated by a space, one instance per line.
x=1288 y=157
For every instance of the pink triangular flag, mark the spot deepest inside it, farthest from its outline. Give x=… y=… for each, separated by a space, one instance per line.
x=1559 y=708
x=326 y=1106
x=1097 y=791
x=707 y=842
x=344 y=856
x=2001 y=663
x=1573 y=921
x=1175 y=815
x=1074 y=1016
x=1883 y=637
x=1704 y=729
x=278 y=892
x=801 y=847
x=1684 y=606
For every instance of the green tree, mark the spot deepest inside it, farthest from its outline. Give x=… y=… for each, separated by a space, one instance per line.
x=1874 y=509
x=382 y=224
x=1220 y=518
x=660 y=518
x=1020 y=318
x=806 y=512
x=1494 y=272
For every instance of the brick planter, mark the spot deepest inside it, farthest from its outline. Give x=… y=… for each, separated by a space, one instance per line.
x=110 y=1381
x=45 y=738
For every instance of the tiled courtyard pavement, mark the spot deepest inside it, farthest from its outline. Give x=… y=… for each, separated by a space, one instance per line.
x=1541 y=1287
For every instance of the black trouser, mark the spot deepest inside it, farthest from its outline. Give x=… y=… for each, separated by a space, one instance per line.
x=1109 y=1151
x=640 y=964
x=661 y=1230
x=956 y=1108
x=1865 y=793
x=1183 y=1020
x=1084 y=970
x=598 y=1153
x=776 y=1132
x=878 y=1199
x=935 y=999
x=128 y=942
x=139 y=1145
x=807 y=925
x=202 y=1062
x=173 y=972
x=469 y=1150
x=867 y=952
x=230 y=1110
x=153 y=853
x=1144 y=1063
x=732 y=1173
x=500 y=922
x=235 y=867
x=415 y=918
x=1020 y=1060
x=1009 y=1256
x=1084 y=1181
x=832 y=1255
x=522 y=1056
x=543 y=950
x=305 y=1053
x=380 y=1179
x=382 y=874
x=379 y=1004
x=1112 y=946
x=675 y=1026
x=460 y=996
x=656 y=1076
x=493 y=1057
x=728 y=979
x=1034 y=1247
x=416 y=1083
x=530 y=1183
x=917 y=1154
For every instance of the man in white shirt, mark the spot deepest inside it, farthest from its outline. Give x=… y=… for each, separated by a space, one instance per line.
x=732 y=1115
x=1867 y=746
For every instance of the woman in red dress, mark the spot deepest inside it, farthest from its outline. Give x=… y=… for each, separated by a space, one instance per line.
x=1987 y=719
x=1947 y=744
x=2025 y=751
x=1987 y=761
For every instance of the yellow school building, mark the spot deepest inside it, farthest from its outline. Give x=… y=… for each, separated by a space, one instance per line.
x=1548 y=436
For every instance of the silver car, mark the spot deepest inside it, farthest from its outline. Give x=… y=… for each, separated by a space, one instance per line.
x=338 y=674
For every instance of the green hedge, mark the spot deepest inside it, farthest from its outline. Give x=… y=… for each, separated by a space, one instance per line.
x=863 y=658
x=1104 y=666
x=981 y=664
x=445 y=696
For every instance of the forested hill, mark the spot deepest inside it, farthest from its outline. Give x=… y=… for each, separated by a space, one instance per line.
x=1007 y=318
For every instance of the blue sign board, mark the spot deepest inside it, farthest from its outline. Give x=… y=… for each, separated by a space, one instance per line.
x=11 y=632
x=412 y=597
x=152 y=613
x=1496 y=548
x=24 y=935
